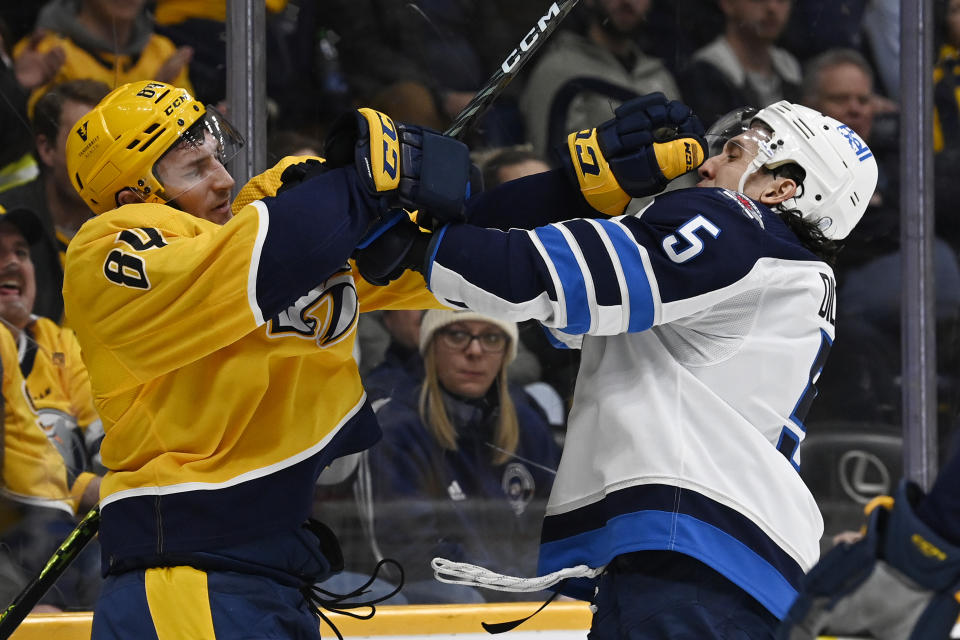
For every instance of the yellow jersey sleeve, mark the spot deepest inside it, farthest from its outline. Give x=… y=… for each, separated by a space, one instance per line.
x=266 y=184
x=407 y=292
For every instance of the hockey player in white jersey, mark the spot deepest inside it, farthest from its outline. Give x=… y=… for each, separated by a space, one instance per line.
x=704 y=321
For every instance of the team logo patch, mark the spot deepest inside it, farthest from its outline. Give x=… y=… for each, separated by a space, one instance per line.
x=748 y=206
x=326 y=314
x=518 y=484
x=856 y=143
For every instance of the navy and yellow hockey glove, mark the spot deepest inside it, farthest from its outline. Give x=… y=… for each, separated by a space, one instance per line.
x=402 y=165
x=649 y=142
x=901 y=581
x=395 y=245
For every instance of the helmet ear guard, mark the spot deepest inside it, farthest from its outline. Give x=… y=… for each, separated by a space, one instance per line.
x=116 y=146
x=840 y=170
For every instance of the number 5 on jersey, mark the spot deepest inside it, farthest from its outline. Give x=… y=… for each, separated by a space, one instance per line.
x=688 y=232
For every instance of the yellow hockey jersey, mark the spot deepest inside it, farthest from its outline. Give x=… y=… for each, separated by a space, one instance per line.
x=221 y=362
x=59 y=388
x=33 y=470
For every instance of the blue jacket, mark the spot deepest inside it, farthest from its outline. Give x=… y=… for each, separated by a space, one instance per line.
x=431 y=502
x=399 y=373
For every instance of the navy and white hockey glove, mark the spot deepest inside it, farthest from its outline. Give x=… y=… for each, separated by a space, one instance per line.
x=649 y=142
x=402 y=165
x=901 y=581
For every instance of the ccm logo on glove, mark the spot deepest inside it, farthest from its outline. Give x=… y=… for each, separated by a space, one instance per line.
x=385 y=158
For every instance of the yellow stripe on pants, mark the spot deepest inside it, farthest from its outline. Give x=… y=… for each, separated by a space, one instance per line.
x=179 y=603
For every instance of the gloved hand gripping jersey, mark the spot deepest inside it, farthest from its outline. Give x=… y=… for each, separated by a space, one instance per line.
x=900 y=582
x=403 y=167
x=394 y=246
x=648 y=143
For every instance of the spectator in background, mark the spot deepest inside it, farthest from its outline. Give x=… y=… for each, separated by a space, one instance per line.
x=742 y=66
x=107 y=40
x=35 y=502
x=464 y=472
x=401 y=369
x=600 y=68
x=59 y=388
x=51 y=196
x=32 y=69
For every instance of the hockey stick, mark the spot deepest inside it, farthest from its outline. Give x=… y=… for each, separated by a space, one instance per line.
x=14 y=614
x=510 y=67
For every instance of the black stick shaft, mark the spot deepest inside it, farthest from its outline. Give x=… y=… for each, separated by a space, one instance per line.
x=27 y=599
x=510 y=67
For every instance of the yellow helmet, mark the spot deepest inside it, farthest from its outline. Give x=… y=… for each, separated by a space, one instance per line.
x=117 y=145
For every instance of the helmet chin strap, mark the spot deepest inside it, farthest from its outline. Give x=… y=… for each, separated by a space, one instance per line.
x=751 y=169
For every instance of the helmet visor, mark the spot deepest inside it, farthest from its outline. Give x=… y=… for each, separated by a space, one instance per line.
x=197 y=161
x=728 y=127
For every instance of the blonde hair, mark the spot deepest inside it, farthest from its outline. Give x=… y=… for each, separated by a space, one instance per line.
x=434 y=415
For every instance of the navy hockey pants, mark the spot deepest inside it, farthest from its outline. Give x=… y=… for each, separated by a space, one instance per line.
x=664 y=595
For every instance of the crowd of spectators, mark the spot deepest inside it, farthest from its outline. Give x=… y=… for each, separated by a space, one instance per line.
x=422 y=62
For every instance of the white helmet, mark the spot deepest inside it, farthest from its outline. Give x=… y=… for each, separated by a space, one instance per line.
x=841 y=172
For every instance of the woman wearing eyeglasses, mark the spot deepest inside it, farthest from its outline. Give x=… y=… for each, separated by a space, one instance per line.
x=466 y=462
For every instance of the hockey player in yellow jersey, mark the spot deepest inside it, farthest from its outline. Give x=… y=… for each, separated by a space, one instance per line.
x=219 y=345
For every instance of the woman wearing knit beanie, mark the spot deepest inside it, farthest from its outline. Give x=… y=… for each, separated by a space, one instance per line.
x=466 y=462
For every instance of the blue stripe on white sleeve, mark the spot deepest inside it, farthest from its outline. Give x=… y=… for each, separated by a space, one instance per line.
x=605 y=283
x=570 y=278
x=641 y=302
x=579 y=277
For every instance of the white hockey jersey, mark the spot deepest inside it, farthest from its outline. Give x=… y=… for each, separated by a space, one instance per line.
x=704 y=326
